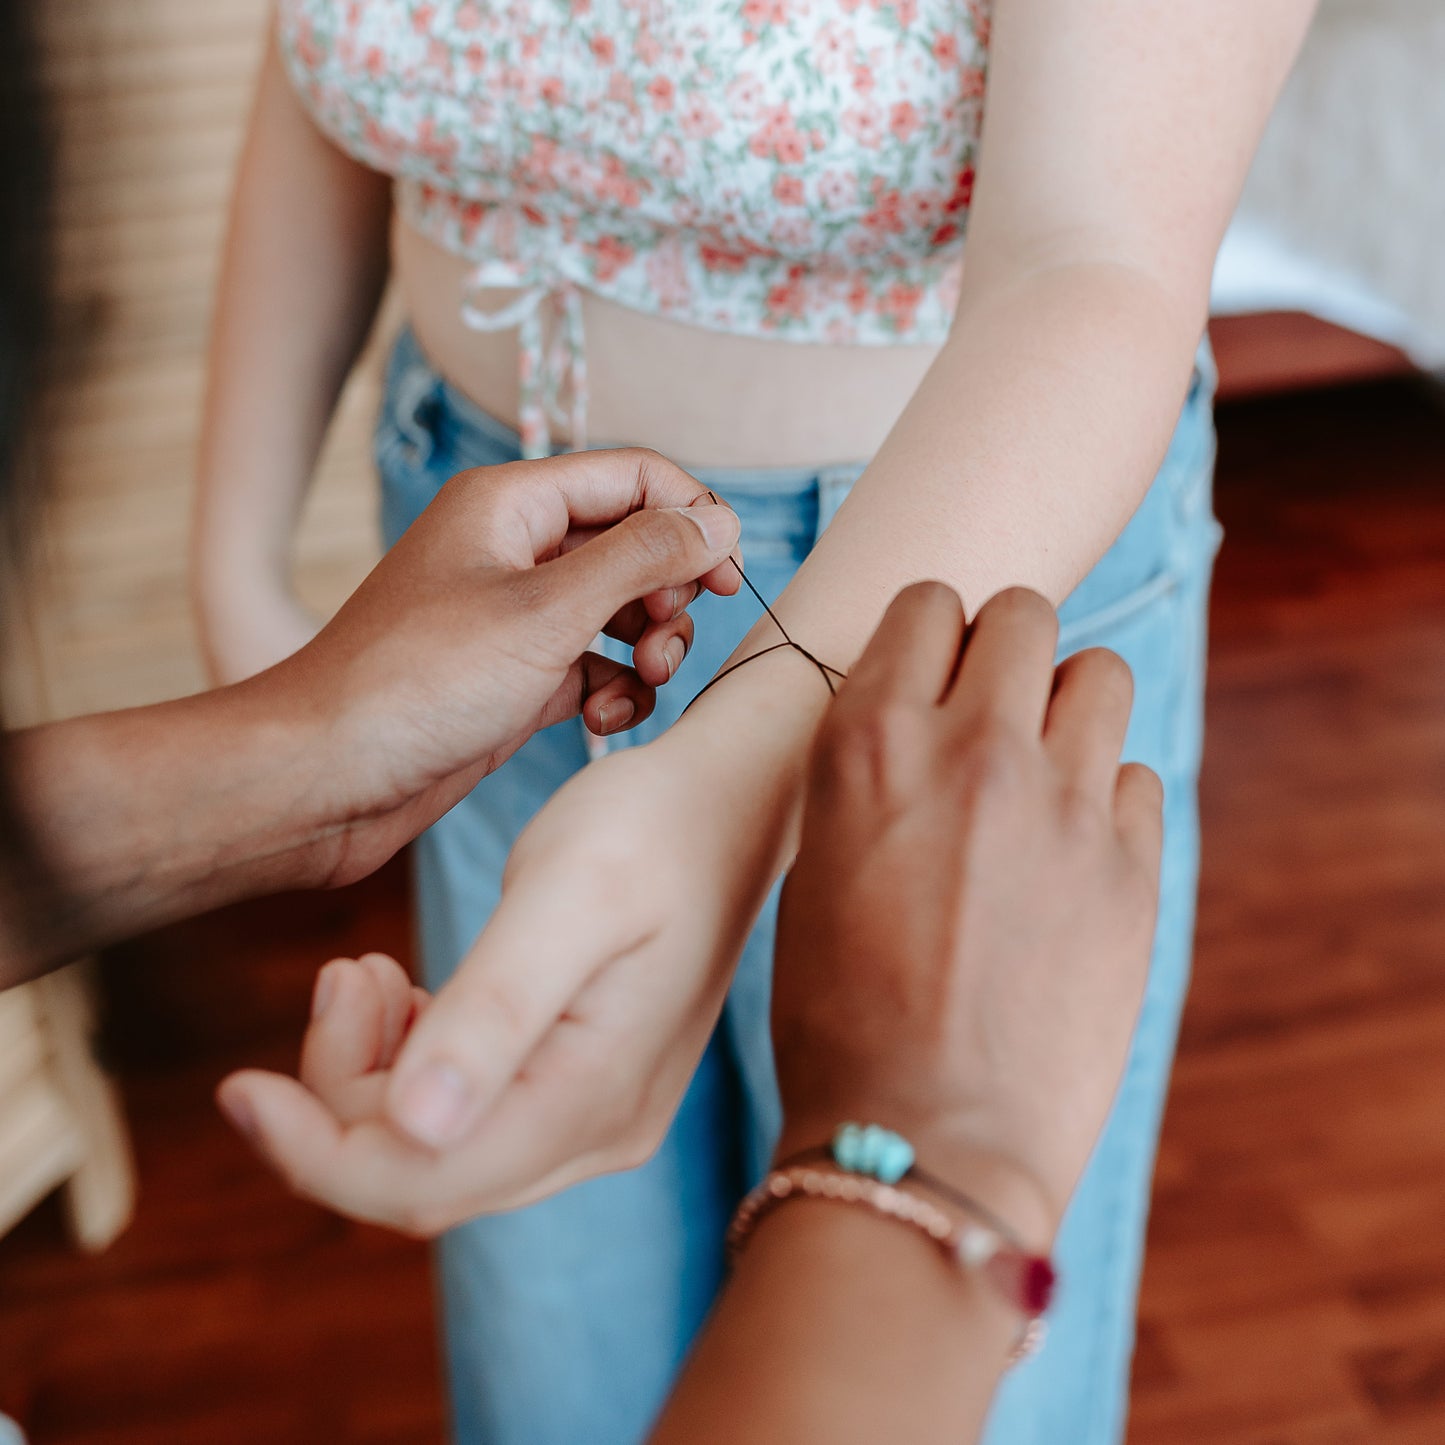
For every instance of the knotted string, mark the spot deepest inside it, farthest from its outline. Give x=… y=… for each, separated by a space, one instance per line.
x=824 y=671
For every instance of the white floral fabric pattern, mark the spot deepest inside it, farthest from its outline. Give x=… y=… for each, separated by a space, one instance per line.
x=792 y=168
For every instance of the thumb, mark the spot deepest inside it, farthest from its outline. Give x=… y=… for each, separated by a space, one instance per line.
x=653 y=549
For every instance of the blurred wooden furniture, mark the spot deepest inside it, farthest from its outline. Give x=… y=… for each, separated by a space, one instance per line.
x=150 y=98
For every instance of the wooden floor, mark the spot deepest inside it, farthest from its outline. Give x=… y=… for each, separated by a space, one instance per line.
x=1295 y=1291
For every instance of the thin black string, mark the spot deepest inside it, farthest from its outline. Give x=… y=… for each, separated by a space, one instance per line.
x=824 y=671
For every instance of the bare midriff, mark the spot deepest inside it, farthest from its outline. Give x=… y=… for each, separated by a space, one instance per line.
x=704 y=398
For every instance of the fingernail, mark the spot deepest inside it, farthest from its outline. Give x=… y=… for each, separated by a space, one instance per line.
x=323 y=993
x=675 y=653
x=616 y=715
x=238 y=1111
x=433 y=1105
x=718 y=524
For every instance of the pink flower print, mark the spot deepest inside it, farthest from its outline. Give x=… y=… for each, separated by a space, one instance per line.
x=619 y=88
x=433 y=145
x=745 y=96
x=686 y=213
x=899 y=305
x=865 y=124
x=539 y=167
x=837 y=189
x=903 y=120
x=422 y=17
x=778 y=138
x=788 y=191
x=308 y=51
x=575 y=176
x=945 y=49
x=863 y=79
x=375 y=62
x=962 y=196
x=973 y=82
x=604 y=48
x=668 y=157
x=945 y=235
x=552 y=89
x=531 y=46
x=833 y=48
x=886 y=216
x=617 y=185
x=906 y=11
x=925 y=209
x=699 y=119
x=721 y=258
x=647 y=48
x=849 y=7
x=667 y=275
x=792 y=233
x=438 y=53
x=609 y=256
x=581 y=7
x=858 y=297
x=469 y=16
x=661 y=92
x=757 y=13
x=980 y=11
x=786 y=302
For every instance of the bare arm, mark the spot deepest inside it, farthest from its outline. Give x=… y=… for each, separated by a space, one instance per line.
x=1118 y=136
x=304 y=267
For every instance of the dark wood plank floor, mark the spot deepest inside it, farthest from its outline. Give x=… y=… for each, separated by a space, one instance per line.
x=1295 y=1291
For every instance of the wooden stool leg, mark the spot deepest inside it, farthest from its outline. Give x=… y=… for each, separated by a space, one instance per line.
x=100 y=1195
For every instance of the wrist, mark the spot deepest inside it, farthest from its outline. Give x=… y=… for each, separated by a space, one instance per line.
x=997 y=1179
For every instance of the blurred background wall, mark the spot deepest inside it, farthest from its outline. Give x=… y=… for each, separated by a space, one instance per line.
x=151 y=98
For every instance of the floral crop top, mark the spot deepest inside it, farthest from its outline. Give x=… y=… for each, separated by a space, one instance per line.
x=799 y=169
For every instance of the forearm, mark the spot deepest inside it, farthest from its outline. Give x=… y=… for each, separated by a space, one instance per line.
x=1020 y=459
x=843 y=1327
x=157 y=813
x=304 y=266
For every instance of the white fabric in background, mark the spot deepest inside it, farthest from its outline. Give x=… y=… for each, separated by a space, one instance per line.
x=1344 y=211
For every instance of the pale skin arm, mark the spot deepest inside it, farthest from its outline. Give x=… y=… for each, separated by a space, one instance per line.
x=1118 y=136
x=303 y=272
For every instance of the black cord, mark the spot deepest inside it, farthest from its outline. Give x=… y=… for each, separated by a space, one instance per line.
x=824 y=671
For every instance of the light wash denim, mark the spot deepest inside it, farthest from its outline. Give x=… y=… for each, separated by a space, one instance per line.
x=567 y=1321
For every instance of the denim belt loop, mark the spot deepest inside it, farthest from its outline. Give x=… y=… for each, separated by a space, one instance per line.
x=415 y=394
x=834 y=484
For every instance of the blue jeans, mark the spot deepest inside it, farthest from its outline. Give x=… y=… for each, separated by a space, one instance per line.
x=566 y=1322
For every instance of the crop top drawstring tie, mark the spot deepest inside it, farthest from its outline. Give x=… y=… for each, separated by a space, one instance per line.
x=546 y=313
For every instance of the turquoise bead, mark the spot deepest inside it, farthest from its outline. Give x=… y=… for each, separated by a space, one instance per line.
x=877 y=1152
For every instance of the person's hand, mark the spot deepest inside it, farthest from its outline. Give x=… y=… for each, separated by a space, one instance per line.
x=965 y=935
x=473 y=632
x=572 y=1029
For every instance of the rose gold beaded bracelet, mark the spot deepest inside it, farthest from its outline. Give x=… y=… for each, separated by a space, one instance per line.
x=1024 y=1280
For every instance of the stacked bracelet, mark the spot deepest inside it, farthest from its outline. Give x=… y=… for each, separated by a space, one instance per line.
x=870 y=1163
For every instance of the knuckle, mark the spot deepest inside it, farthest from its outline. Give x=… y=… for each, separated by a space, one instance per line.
x=995 y=761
